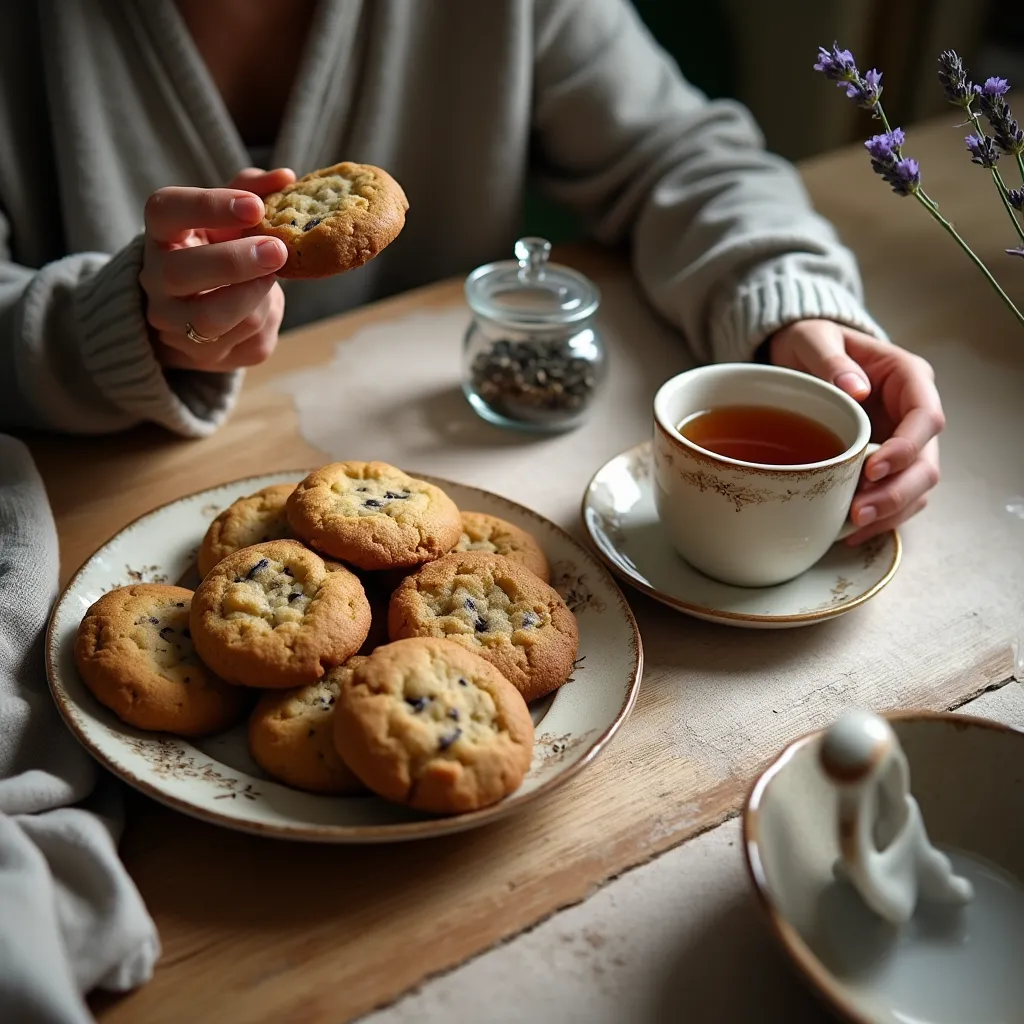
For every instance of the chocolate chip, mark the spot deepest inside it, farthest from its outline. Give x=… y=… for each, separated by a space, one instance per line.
x=454 y=714
x=417 y=703
x=480 y=625
x=446 y=741
x=166 y=632
x=293 y=224
x=154 y=621
x=180 y=604
x=310 y=224
x=330 y=700
x=294 y=595
x=463 y=682
x=372 y=503
x=258 y=567
x=529 y=619
x=286 y=571
x=392 y=496
x=470 y=605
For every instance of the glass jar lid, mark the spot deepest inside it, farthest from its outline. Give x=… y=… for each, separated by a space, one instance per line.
x=529 y=291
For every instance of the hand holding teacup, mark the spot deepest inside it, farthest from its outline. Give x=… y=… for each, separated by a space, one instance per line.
x=898 y=390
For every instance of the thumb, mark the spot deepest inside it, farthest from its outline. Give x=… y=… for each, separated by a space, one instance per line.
x=260 y=182
x=820 y=346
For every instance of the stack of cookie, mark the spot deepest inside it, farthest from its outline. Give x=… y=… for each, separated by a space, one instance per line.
x=397 y=640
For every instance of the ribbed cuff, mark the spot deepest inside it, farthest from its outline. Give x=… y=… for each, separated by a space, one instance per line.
x=772 y=298
x=118 y=355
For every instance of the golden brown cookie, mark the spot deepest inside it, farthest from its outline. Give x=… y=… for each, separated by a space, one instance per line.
x=373 y=516
x=427 y=723
x=135 y=653
x=481 y=532
x=495 y=608
x=335 y=219
x=277 y=615
x=291 y=736
x=253 y=519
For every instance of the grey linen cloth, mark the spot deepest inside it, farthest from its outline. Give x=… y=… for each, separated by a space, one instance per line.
x=71 y=918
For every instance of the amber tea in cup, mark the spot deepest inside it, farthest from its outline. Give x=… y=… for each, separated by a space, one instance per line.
x=762 y=434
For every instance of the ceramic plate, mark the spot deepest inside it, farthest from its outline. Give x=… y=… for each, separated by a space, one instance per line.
x=215 y=779
x=620 y=516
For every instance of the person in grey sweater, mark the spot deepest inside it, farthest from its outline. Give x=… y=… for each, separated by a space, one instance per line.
x=128 y=135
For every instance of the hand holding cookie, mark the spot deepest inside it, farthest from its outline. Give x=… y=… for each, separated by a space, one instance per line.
x=212 y=297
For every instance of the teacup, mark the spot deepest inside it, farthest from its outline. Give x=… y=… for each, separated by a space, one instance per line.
x=749 y=524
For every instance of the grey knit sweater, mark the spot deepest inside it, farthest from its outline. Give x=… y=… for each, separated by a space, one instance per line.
x=103 y=101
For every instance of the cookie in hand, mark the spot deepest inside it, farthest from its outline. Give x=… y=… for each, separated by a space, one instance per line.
x=335 y=219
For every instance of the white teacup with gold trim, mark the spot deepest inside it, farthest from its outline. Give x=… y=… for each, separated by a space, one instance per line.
x=746 y=523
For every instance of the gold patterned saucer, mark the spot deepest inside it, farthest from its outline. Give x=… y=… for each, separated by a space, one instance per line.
x=620 y=517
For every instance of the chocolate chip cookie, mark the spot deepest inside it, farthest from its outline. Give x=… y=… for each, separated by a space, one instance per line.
x=335 y=219
x=430 y=724
x=135 y=653
x=373 y=516
x=495 y=608
x=277 y=615
x=481 y=532
x=291 y=736
x=254 y=519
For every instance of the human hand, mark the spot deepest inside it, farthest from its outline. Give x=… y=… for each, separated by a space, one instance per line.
x=897 y=390
x=198 y=269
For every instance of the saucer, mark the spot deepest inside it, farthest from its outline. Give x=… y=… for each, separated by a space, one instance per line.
x=620 y=517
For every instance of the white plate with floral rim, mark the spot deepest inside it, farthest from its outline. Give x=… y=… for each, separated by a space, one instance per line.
x=620 y=516
x=215 y=779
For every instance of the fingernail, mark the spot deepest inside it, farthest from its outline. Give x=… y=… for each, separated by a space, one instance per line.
x=247 y=208
x=849 y=382
x=867 y=515
x=270 y=254
x=877 y=470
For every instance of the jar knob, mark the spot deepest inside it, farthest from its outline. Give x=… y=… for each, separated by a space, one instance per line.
x=533 y=254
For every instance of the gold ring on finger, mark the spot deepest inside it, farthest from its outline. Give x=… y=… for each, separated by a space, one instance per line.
x=193 y=335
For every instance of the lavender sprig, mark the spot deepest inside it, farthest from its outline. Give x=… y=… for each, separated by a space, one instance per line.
x=983 y=150
x=992 y=100
x=1015 y=197
x=839 y=66
x=903 y=173
x=953 y=77
x=982 y=147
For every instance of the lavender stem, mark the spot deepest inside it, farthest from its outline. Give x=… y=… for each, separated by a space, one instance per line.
x=931 y=207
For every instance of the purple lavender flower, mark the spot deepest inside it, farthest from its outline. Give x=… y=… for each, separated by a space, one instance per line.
x=953 y=77
x=835 y=64
x=840 y=67
x=1015 y=197
x=886 y=146
x=983 y=150
x=1015 y=252
x=994 y=87
x=866 y=91
x=992 y=99
x=901 y=173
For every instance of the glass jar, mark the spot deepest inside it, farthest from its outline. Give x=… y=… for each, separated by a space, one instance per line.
x=533 y=357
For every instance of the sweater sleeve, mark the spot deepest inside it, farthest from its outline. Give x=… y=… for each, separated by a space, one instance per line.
x=75 y=352
x=725 y=243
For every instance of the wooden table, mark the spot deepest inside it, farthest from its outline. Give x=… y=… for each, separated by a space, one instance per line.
x=258 y=930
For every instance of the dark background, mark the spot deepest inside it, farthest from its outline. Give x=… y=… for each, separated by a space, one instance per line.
x=761 y=51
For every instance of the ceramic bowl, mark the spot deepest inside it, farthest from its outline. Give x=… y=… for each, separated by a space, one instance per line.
x=948 y=964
